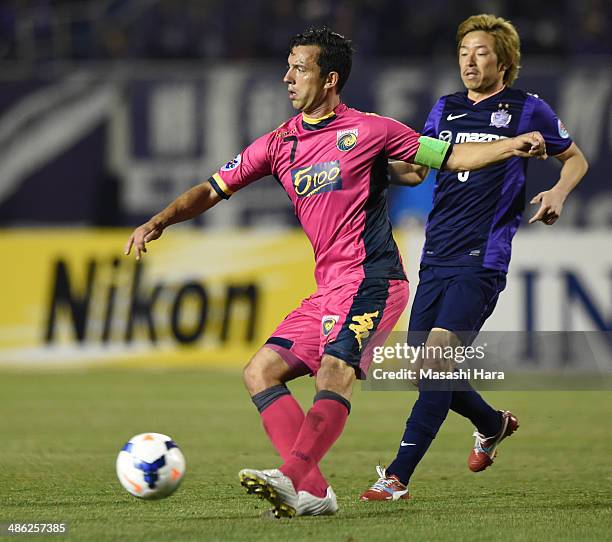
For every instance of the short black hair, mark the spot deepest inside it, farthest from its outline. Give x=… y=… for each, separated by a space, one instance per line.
x=336 y=51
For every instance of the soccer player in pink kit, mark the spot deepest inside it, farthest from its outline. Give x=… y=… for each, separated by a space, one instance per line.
x=332 y=162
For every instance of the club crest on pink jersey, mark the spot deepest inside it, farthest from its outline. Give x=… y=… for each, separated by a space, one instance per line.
x=346 y=139
x=316 y=179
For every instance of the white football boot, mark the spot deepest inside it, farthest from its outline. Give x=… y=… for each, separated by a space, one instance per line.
x=309 y=505
x=274 y=486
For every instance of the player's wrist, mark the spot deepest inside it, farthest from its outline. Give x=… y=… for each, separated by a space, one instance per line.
x=506 y=148
x=158 y=222
x=560 y=191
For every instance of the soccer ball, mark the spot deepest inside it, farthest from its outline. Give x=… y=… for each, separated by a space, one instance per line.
x=150 y=466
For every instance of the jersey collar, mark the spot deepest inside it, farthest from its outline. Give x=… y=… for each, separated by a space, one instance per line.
x=497 y=94
x=309 y=123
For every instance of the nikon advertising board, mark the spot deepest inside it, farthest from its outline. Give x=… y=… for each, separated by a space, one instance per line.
x=71 y=297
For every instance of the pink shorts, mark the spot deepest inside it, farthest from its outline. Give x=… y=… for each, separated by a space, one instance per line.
x=346 y=322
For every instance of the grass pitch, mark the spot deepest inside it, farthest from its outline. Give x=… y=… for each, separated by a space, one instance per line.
x=61 y=433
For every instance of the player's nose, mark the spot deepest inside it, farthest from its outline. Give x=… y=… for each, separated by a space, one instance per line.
x=287 y=78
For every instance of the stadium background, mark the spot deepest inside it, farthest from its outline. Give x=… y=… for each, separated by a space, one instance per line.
x=109 y=109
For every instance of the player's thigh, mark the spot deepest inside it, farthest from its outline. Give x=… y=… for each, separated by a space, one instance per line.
x=365 y=314
x=297 y=338
x=469 y=299
x=426 y=305
x=498 y=285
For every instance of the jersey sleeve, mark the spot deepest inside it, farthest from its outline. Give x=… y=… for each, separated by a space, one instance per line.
x=401 y=142
x=251 y=164
x=433 y=119
x=545 y=121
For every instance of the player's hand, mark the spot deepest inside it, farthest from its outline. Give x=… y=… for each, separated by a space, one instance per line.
x=530 y=145
x=142 y=235
x=551 y=203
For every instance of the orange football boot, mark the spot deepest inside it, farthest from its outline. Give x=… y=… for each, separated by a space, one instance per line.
x=386 y=488
x=485 y=448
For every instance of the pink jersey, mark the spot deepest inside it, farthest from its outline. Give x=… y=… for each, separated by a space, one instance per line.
x=334 y=170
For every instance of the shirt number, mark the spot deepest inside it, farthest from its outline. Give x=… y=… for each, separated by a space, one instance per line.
x=463 y=176
x=293 y=147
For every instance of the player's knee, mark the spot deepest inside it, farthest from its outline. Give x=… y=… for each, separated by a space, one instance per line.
x=437 y=364
x=336 y=375
x=442 y=338
x=249 y=376
x=438 y=354
x=266 y=369
x=255 y=374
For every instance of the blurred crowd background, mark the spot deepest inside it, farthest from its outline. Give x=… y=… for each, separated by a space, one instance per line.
x=42 y=30
x=111 y=108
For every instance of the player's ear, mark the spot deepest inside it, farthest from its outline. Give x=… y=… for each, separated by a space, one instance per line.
x=331 y=80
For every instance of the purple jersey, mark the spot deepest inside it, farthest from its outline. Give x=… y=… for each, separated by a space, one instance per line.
x=334 y=171
x=476 y=213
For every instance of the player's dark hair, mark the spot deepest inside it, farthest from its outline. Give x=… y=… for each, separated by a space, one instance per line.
x=336 y=52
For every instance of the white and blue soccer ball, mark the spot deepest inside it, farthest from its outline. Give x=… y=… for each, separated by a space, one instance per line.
x=150 y=466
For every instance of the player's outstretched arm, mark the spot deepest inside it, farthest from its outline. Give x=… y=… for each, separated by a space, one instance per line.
x=195 y=201
x=574 y=167
x=471 y=156
x=405 y=174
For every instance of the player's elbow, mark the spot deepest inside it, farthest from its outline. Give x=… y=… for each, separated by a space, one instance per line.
x=576 y=158
x=414 y=178
x=421 y=175
x=584 y=164
x=579 y=165
x=580 y=159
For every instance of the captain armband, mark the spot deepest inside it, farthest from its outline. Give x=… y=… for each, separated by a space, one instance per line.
x=432 y=152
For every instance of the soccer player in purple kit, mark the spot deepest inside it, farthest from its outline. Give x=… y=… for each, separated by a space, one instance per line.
x=469 y=232
x=332 y=162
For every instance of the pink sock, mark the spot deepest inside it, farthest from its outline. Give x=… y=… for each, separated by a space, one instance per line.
x=282 y=421
x=323 y=425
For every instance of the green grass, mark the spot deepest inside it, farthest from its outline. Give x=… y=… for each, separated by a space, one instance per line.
x=61 y=432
